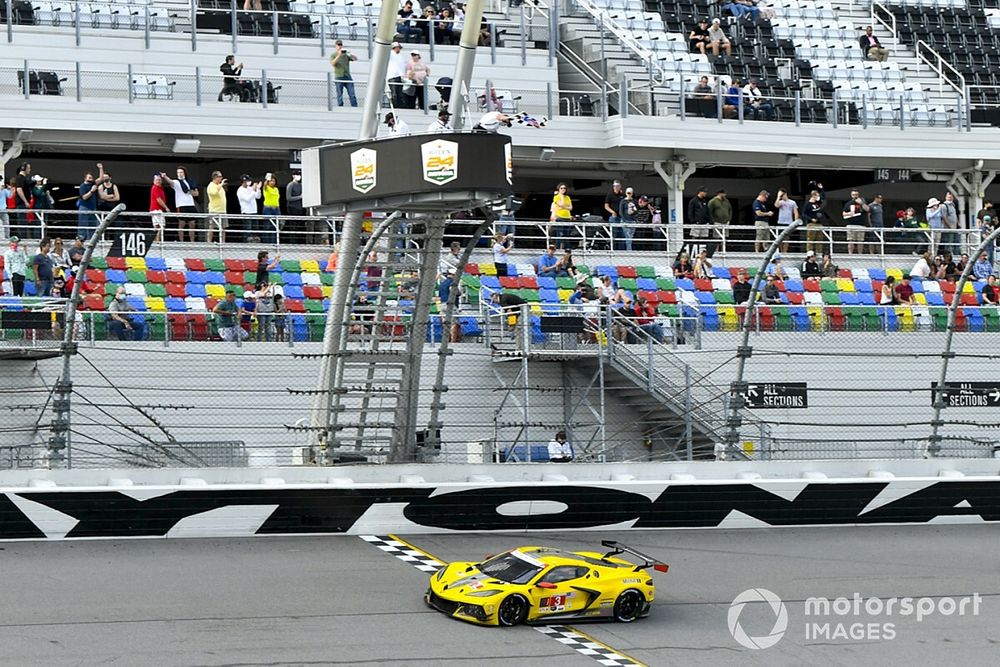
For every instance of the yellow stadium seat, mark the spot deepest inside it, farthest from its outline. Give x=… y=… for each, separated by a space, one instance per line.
x=487 y=269
x=565 y=294
x=905 y=315
x=815 y=317
x=309 y=266
x=920 y=298
x=968 y=288
x=895 y=273
x=327 y=291
x=136 y=263
x=156 y=304
x=216 y=291
x=845 y=284
x=729 y=319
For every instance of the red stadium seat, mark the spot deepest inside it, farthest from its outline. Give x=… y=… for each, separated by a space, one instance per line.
x=836 y=318
x=210 y=302
x=176 y=277
x=509 y=282
x=199 y=326
x=845 y=273
x=117 y=263
x=734 y=272
x=877 y=288
x=947 y=287
x=626 y=272
x=969 y=299
x=795 y=298
x=961 y=321
x=766 y=319
x=472 y=269
x=95 y=276
x=178 y=327
x=176 y=289
x=527 y=282
x=233 y=277
x=295 y=306
x=812 y=285
x=666 y=296
x=703 y=285
x=650 y=295
x=235 y=265
x=93 y=302
x=194 y=264
x=158 y=277
x=313 y=292
x=780 y=284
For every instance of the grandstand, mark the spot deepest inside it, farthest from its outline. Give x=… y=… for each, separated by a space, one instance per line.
x=123 y=82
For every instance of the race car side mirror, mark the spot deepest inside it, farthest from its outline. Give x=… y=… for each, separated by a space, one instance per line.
x=545 y=584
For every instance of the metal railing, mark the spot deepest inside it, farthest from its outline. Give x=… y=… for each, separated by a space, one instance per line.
x=946 y=72
x=882 y=15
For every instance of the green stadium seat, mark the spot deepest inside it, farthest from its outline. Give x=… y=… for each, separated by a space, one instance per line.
x=645 y=272
x=628 y=284
x=565 y=282
x=314 y=306
x=724 y=297
x=326 y=278
x=154 y=289
x=291 y=265
x=215 y=265
x=666 y=284
x=98 y=263
x=831 y=298
x=829 y=285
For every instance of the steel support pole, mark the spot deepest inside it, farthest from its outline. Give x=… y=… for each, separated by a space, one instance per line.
x=194 y=25
x=939 y=392
x=9 y=13
x=61 y=438
x=233 y=24
x=337 y=314
x=461 y=81
x=403 y=447
x=738 y=387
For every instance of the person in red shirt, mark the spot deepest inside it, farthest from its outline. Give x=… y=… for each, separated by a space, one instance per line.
x=157 y=205
x=904 y=292
x=645 y=319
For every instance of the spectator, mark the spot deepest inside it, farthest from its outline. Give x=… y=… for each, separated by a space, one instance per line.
x=776 y=269
x=645 y=214
x=185 y=190
x=871 y=47
x=904 y=292
x=157 y=206
x=699 y=216
x=502 y=245
x=875 y=218
x=699 y=37
x=626 y=212
x=76 y=251
x=444 y=26
x=612 y=202
x=645 y=319
x=962 y=263
x=760 y=108
x=949 y=218
x=986 y=227
x=946 y=267
x=560 y=451
x=742 y=8
x=788 y=212
x=459 y=23
x=888 y=295
x=231 y=84
x=561 y=214
x=682 y=266
x=815 y=215
x=450 y=260
x=935 y=220
x=913 y=234
x=341 y=61
x=734 y=94
x=720 y=213
x=426 y=24
x=280 y=317
x=404 y=24
x=983 y=268
x=810 y=268
x=611 y=294
x=6 y=193
x=741 y=288
x=229 y=312
x=395 y=74
x=762 y=216
x=829 y=269
x=15 y=261
x=547 y=262
x=264 y=311
x=856 y=220
x=417 y=73
x=87 y=203
x=922 y=269
x=265 y=265
x=491 y=121
x=441 y=124
x=108 y=195
x=397 y=126
x=59 y=257
x=772 y=296
x=217 y=207
x=22 y=200
x=41 y=265
x=703 y=266
x=253 y=4
x=121 y=324
x=293 y=206
x=41 y=198
x=991 y=293
x=987 y=209
x=248 y=194
x=510 y=307
x=565 y=265
x=272 y=208
x=249 y=311
x=717 y=39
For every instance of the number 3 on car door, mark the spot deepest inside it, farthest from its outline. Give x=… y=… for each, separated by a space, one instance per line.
x=555 y=592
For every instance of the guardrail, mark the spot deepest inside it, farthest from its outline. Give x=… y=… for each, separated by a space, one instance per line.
x=945 y=71
x=881 y=15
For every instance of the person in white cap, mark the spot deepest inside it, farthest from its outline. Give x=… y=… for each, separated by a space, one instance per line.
x=395 y=73
x=810 y=267
x=935 y=220
x=717 y=39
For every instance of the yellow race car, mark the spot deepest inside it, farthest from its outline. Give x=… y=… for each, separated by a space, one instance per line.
x=546 y=585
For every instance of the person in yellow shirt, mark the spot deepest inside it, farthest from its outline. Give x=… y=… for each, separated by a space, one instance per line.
x=217 y=205
x=561 y=213
x=272 y=207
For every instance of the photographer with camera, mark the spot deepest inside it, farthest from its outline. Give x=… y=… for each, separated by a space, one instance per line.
x=248 y=195
x=341 y=62
x=87 y=203
x=231 y=85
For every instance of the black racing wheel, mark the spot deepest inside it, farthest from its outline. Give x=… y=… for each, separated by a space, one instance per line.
x=512 y=611
x=628 y=606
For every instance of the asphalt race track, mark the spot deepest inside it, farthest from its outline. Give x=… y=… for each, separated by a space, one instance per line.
x=339 y=600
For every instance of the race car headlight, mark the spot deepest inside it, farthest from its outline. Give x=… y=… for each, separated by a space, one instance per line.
x=483 y=594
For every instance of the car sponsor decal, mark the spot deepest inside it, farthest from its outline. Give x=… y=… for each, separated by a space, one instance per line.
x=554 y=603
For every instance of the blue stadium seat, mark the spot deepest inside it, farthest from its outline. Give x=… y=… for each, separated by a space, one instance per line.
x=490 y=282
x=863 y=285
x=606 y=270
x=850 y=298
x=512 y=270
x=292 y=278
x=934 y=298
x=30 y=289
x=527 y=454
x=866 y=298
x=196 y=277
x=794 y=285
x=137 y=302
x=888 y=316
x=877 y=274
x=469 y=326
x=800 y=318
x=646 y=284
x=917 y=284
x=196 y=289
x=156 y=264
x=975 y=319
x=685 y=284
x=710 y=319
x=300 y=328
x=548 y=295
x=115 y=276
x=175 y=304
x=721 y=272
x=544 y=282
x=214 y=278
x=706 y=298
x=294 y=292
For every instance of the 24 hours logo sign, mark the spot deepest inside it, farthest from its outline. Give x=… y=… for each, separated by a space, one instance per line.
x=363 y=169
x=440 y=161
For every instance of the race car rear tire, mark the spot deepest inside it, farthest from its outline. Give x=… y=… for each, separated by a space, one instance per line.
x=628 y=606
x=512 y=611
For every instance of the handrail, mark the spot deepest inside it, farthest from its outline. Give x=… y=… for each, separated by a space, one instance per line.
x=595 y=77
x=876 y=18
x=611 y=25
x=936 y=66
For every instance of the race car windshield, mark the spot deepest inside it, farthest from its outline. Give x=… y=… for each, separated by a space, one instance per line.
x=510 y=567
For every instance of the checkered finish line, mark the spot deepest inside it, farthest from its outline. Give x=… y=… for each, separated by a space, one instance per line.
x=588 y=646
x=404 y=551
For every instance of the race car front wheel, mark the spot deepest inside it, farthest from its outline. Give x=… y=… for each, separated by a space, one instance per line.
x=628 y=606
x=512 y=611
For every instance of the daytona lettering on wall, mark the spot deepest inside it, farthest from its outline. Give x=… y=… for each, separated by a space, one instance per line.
x=426 y=509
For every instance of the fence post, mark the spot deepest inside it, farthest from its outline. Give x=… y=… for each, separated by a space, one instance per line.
x=368 y=31
x=548 y=99
x=194 y=25
x=553 y=31
x=524 y=42
x=864 y=111
x=329 y=91
x=739 y=105
x=493 y=42
x=718 y=101
x=683 y=101
x=27 y=81
x=9 y=13
x=959 y=122
x=131 y=93
x=145 y=14
x=234 y=25
x=798 y=108
x=431 y=42
x=322 y=37
x=274 y=30
x=688 y=406
x=197 y=86
x=79 y=86
x=427 y=96
x=836 y=109
x=902 y=113
x=263 y=87
x=623 y=98
x=76 y=22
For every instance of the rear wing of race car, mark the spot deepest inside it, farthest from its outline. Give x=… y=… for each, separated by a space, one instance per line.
x=647 y=561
